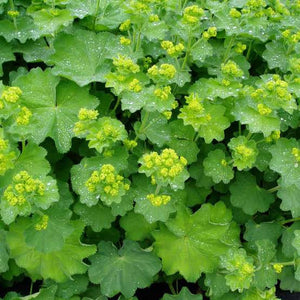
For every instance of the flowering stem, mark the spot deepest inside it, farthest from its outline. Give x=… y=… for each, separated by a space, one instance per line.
x=274 y=189
x=290 y=221
x=187 y=51
x=157 y=189
x=287 y=263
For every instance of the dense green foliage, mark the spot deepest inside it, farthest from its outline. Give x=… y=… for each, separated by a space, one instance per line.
x=149 y=141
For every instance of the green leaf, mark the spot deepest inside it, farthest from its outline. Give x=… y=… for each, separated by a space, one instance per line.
x=287 y=239
x=76 y=286
x=26 y=29
x=136 y=227
x=288 y=281
x=247 y=195
x=216 y=284
x=53 y=237
x=4 y=256
x=50 y=21
x=192 y=243
x=156 y=128
x=57 y=265
x=216 y=166
x=211 y=88
x=184 y=294
x=54 y=107
x=155 y=30
x=255 y=121
x=265 y=230
x=97 y=216
x=123 y=270
x=280 y=59
x=290 y=199
x=201 y=49
x=6 y=53
x=93 y=50
x=296 y=242
x=284 y=162
x=265 y=275
x=147 y=100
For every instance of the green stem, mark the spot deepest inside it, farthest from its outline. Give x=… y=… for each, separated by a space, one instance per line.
x=228 y=48
x=286 y=263
x=145 y=119
x=138 y=41
x=117 y=104
x=274 y=189
x=23 y=145
x=290 y=221
x=171 y=288
x=31 y=288
x=249 y=50
x=188 y=49
x=12 y=7
x=248 y=137
x=95 y=16
x=157 y=189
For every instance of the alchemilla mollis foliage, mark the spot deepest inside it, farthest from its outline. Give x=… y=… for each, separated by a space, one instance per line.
x=149 y=141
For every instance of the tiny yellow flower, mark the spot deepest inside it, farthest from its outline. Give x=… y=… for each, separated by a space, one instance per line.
x=278 y=268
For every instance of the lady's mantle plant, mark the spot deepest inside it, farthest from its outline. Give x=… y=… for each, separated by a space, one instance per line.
x=149 y=141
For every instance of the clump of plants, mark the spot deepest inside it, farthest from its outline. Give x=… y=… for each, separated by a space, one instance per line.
x=149 y=143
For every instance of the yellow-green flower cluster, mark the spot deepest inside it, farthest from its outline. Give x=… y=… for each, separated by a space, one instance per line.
x=87 y=114
x=107 y=183
x=24 y=116
x=194 y=112
x=278 y=268
x=243 y=151
x=11 y=94
x=240 y=48
x=158 y=200
x=125 y=41
x=209 y=33
x=164 y=167
x=23 y=188
x=192 y=14
x=274 y=136
x=130 y=144
x=13 y=13
x=139 y=6
x=274 y=92
x=172 y=50
x=6 y=161
x=163 y=93
x=291 y=38
x=296 y=153
x=256 y=4
x=125 y=25
x=263 y=110
x=153 y=18
x=234 y=13
x=125 y=64
x=295 y=65
x=42 y=224
x=86 y=118
x=231 y=69
x=166 y=70
x=135 y=85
